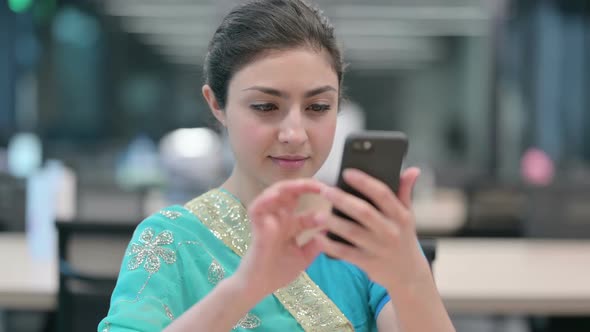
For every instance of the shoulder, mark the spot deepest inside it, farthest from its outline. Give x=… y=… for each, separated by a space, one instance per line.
x=174 y=218
x=166 y=230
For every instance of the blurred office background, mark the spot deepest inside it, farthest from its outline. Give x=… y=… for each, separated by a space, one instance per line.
x=102 y=120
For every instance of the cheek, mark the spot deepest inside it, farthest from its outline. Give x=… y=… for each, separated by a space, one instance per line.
x=324 y=136
x=249 y=138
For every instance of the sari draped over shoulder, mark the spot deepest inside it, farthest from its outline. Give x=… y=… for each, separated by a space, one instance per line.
x=177 y=256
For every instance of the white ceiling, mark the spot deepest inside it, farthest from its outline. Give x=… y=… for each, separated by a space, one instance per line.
x=375 y=33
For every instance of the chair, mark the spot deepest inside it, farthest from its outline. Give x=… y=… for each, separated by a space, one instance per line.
x=90 y=255
x=495 y=209
x=429 y=249
x=559 y=211
x=109 y=203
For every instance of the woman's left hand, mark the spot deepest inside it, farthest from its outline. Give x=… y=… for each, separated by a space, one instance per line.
x=385 y=242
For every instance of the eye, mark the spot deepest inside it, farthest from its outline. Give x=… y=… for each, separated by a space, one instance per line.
x=318 y=107
x=266 y=107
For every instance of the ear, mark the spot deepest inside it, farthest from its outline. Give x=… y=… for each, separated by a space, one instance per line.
x=218 y=113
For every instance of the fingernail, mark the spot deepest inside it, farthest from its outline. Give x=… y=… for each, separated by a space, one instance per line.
x=348 y=172
x=351 y=173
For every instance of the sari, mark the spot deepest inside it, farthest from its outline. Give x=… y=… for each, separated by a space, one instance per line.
x=178 y=255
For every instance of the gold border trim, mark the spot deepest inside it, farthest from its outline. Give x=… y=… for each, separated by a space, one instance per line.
x=228 y=220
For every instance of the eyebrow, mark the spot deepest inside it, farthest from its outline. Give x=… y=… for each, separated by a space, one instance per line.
x=278 y=93
x=319 y=90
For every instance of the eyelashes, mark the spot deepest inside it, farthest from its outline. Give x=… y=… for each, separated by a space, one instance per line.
x=320 y=108
x=264 y=108
x=269 y=107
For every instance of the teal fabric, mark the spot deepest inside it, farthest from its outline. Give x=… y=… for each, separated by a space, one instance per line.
x=351 y=290
x=149 y=297
x=168 y=268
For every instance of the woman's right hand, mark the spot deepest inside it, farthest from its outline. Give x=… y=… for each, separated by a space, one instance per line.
x=274 y=259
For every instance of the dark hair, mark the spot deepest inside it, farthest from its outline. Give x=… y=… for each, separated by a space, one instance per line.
x=256 y=27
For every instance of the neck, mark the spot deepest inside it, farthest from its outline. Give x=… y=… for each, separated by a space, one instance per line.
x=246 y=189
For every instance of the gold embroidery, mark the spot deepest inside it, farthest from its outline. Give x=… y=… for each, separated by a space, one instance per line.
x=249 y=321
x=317 y=314
x=215 y=273
x=151 y=250
x=228 y=220
x=225 y=217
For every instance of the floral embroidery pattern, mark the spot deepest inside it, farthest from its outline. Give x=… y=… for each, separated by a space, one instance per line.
x=215 y=273
x=249 y=321
x=151 y=250
x=172 y=215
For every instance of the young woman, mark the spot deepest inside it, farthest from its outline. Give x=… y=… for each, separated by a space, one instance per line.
x=229 y=259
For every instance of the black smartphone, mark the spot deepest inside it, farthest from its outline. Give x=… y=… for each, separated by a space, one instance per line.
x=377 y=153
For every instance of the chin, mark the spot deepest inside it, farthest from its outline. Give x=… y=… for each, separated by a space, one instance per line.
x=280 y=176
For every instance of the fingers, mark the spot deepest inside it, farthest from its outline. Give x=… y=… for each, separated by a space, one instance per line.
x=305 y=227
x=406 y=185
x=376 y=191
x=312 y=249
x=342 y=251
x=288 y=228
x=354 y=233
x=283 y=195
x=356 y=208
x=382 y=196
x=297 y=187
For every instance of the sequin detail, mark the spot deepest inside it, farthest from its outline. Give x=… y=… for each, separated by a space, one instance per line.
x=172 y=215
x=144 y=286
x=249 y=321
x=169 y=313
x=215 y=273
x=319 y=312
x=228 y=220
x=225 y=217
x=183 y=243
x=151 y=250
x=107 y=327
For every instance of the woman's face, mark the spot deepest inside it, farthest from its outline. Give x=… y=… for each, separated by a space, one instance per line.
x=281 y=114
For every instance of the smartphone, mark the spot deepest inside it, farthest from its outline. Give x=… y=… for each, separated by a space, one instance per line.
x=377 y=153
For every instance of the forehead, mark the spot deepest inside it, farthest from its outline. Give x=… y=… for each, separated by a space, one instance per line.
x=293 y=69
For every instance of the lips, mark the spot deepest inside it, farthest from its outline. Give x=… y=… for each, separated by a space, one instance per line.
x=289 y=162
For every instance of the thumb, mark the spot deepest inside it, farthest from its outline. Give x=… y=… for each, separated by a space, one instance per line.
x=406 y=186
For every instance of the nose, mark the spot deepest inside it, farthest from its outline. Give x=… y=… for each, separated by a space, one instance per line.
x=292 y=130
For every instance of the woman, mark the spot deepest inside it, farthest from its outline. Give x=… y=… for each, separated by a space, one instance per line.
x=230 y=259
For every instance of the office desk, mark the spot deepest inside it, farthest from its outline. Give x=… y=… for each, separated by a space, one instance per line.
x=24 y=282
x=545 y=277
x=486 y=276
